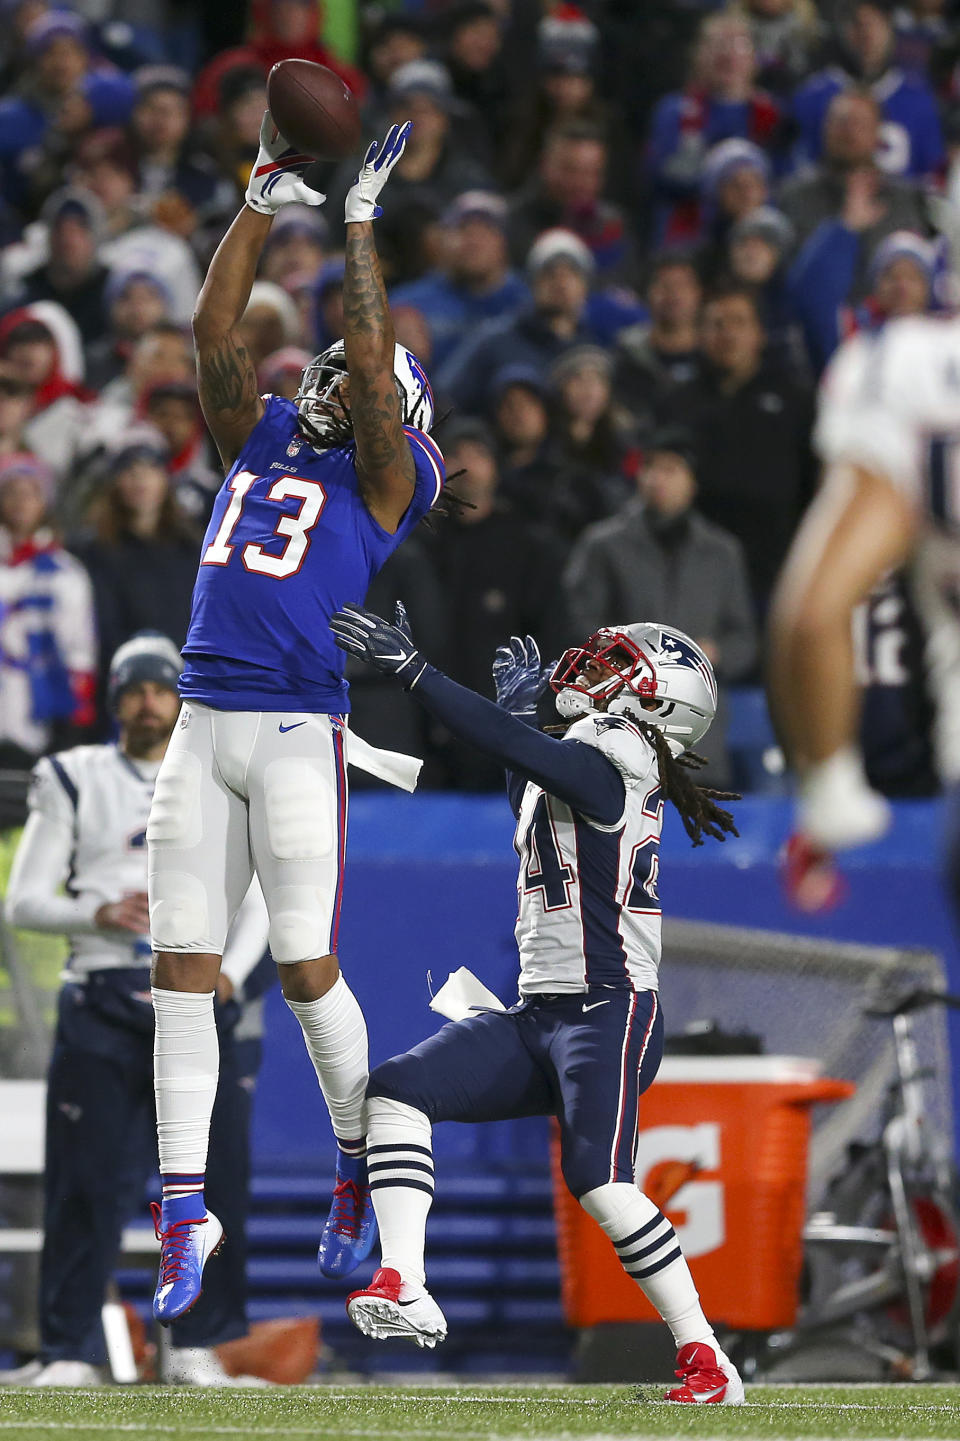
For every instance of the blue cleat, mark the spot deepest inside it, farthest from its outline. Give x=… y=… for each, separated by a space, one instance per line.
x=185 y=1248
x=351 y=1227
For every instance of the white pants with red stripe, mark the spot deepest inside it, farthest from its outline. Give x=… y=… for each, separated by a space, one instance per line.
x=240 y=791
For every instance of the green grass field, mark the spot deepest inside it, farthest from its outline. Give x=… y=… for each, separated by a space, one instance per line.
x=477 y=1413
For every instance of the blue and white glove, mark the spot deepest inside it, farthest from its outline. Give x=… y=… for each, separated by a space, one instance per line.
x=381 y=157
x=277 y=175
x=518 y=676
x=386 y=647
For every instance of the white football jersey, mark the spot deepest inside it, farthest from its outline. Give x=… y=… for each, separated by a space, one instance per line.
x=890 y=402
x=104 y=798
x=588 y=909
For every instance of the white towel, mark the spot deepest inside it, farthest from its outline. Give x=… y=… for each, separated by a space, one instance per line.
x=392 y=766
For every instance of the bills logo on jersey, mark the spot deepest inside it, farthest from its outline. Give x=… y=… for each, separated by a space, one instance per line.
x=676 y=651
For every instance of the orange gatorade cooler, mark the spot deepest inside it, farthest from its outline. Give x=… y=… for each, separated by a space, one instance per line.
x=723 y=1151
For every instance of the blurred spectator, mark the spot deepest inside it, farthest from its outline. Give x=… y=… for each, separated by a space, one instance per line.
x=653 y=356
x=105 y=165
x=566 y=90
x=64 y=90
x=759 y=250
x=48 y=647
x=736 y=180
x=475 y=283
x=168 y=159
x=719 y=102
x=921 y=30
x=751 y=422
x=16 y=408
x=521 y=422
x=910 y=139
x=234 y=135
x=296 y=243
x=270 y=321
x=902 y=276
x=473 y=55
x=135 y=302
x=500 y=577
x=592 y=444
x=659 y=557
x=42 y=345
x=848 y=180
x=560 y=270
x=411 y=330
x=172 y=407
x=438 y=162
x=163 y=353
x=786 y=34
x=397 y=38
x=328 y=304
x=141 y=552
x=283 y=29
x=567 y=192
x=73 y=275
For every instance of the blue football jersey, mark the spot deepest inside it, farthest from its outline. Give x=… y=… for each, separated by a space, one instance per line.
x=290 y=541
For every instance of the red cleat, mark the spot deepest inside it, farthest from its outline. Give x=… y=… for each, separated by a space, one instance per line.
x=707 y=1377
x=810 y=876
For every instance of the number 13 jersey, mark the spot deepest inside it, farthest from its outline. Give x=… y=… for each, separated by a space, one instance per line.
x=290 y=541
x=588 y=908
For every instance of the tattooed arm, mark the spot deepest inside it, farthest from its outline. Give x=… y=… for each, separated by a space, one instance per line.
x=225 y=375
x=384 y=459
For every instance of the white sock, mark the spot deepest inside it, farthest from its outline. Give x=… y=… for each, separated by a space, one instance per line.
x=186 y=1067
x=336 y=1036
x=649 y=1251
x=400 y=1166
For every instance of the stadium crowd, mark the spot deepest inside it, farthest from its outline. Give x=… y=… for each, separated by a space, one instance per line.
x=624 y=239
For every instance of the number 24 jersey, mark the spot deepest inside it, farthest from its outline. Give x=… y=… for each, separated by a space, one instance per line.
x=588 y=908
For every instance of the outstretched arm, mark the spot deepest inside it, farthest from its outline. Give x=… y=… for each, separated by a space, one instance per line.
x=575 y=773
x=384 y=461
x=226 y=379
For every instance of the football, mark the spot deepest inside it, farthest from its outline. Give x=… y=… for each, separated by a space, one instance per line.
x=313 y=109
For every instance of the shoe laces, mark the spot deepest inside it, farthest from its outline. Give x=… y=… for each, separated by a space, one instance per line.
x=345 y=1212
x=174 y=1241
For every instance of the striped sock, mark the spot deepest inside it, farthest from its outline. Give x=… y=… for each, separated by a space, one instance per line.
x=649 y=1251
x=356 y=1150
x=182 y=1197
x=400 y=1167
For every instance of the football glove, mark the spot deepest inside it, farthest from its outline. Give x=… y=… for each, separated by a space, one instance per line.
x=387 y=647
x=381 y=157
x=277 y=175
x=518 y=676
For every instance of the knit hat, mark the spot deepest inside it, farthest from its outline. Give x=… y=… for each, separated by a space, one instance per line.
x=21 y=462
x=904 y=245
x=769 y=224
x=559 y=244
x=579 y=357
x=477 y=205
x=119 y=280
x=725 y=159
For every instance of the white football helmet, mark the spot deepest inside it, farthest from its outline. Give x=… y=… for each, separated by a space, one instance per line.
x=653 y=673
x=321 y=415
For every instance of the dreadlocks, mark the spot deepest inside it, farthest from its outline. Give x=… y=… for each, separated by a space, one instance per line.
x=696 y=804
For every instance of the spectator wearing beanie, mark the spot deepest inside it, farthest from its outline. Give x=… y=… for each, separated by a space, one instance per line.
x=73 y=275
x=759 y=249
x=736 y=180
x=168 y=158
x=135 y=301
x=475 y=283
x=48 y=646
x=659 y=556
x=902 y=274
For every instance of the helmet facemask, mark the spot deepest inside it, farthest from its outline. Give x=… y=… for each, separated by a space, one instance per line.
x=324 y=415
x=630 y=676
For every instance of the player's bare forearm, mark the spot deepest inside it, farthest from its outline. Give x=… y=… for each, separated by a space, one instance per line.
x=226 y=378
x=382 y=447
x=857 y=530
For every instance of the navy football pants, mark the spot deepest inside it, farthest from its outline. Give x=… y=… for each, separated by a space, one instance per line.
x=102 y=1146
x=585 y=1058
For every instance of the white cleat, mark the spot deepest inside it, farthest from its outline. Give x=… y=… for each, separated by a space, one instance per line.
x=201 y=1366
x=707 y=1378
x=22 y=1375
x=68 y=1373
x=382 y=1312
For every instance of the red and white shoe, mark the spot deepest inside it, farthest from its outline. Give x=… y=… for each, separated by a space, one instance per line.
x=706 y=1376
x=384 y=1309
x=810 y=876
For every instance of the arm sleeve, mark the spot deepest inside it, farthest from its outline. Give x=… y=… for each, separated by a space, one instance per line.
x=40 y=867
x=247 y=939
x=575 y=773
